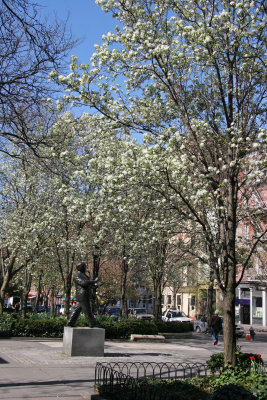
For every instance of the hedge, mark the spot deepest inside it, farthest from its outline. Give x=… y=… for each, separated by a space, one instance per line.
x=32 y=326
x=173 y=327
x=47 y=325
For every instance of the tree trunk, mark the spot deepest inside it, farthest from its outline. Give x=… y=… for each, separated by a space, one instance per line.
x=229 y=268
x=1 y=305
x=96 y=262
x=174 y=293
x=6 y=271
x=38 y=300
x=67 y=296
x=2 y=292
x=158 y=298
x=45 y=298
x=23 y=306
x=25 y=291
x=96 y=266
x=123 y=305
x=210 y=299
x=229 y=328
x=52 y=301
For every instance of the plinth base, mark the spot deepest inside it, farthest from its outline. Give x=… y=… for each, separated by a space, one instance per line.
x=87 y=342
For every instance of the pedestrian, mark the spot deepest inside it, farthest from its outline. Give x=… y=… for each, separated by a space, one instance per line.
x=216 y=327
x=252 y=333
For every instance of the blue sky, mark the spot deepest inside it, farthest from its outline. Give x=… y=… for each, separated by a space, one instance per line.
x=86 y=19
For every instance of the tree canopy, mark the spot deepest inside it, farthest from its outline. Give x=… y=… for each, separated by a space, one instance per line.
x=188 y=76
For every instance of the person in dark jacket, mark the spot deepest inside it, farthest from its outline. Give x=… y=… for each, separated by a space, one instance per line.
x=252 y=333
x=84 y=296
x=216 y=327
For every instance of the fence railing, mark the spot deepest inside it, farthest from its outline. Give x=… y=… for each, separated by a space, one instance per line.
x=117 y=378
x=138 y=370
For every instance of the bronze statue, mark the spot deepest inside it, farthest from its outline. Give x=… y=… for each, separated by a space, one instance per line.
x=84 y=296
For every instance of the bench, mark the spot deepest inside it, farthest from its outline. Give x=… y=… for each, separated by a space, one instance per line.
x=147 y=338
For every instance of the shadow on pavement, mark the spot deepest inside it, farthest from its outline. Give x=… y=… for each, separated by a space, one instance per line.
x=46 y=383
x=135 y=354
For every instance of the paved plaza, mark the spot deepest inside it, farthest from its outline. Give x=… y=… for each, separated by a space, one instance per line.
x=38 y=369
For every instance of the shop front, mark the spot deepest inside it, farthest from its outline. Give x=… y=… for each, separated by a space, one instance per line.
x=251 y=303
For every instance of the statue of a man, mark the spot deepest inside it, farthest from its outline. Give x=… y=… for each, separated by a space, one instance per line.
x=83 y=296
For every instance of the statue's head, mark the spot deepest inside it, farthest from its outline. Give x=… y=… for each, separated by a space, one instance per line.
x=81 y=267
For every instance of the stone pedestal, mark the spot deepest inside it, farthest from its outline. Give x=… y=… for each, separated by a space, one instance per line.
x=87 y=342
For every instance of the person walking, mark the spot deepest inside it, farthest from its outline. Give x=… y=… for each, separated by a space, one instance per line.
x=216 y=327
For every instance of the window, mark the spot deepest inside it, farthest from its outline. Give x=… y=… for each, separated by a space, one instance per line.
x=162 y=299
x=258 y=302
x=178 y=314
x=179 y=301
x=169 y=299
x=193 y=301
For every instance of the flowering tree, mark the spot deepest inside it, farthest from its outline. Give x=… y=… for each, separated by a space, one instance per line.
x=116 y=203
x=189 y=76
x=21 y=227
x=43 y=212
x=136 y=223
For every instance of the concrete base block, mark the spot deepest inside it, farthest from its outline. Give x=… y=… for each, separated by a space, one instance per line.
x=87 y=342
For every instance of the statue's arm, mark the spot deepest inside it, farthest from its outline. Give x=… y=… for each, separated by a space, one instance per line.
x=83 y=281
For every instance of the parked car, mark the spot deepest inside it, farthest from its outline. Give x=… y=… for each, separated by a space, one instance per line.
x=239 y=330
x=175 y=316
x=140 y=313
x=61 y=310
x=200 y=325
x=113 y=312
x=41 y=309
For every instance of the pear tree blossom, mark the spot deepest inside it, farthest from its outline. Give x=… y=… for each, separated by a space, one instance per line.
x=189 y=77
x=21 y=228
x=137 y=226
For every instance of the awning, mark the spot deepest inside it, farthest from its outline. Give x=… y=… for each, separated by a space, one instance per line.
x=242 y=302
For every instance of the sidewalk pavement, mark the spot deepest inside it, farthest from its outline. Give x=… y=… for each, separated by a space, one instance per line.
x=257 y=328
x=37 y=368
